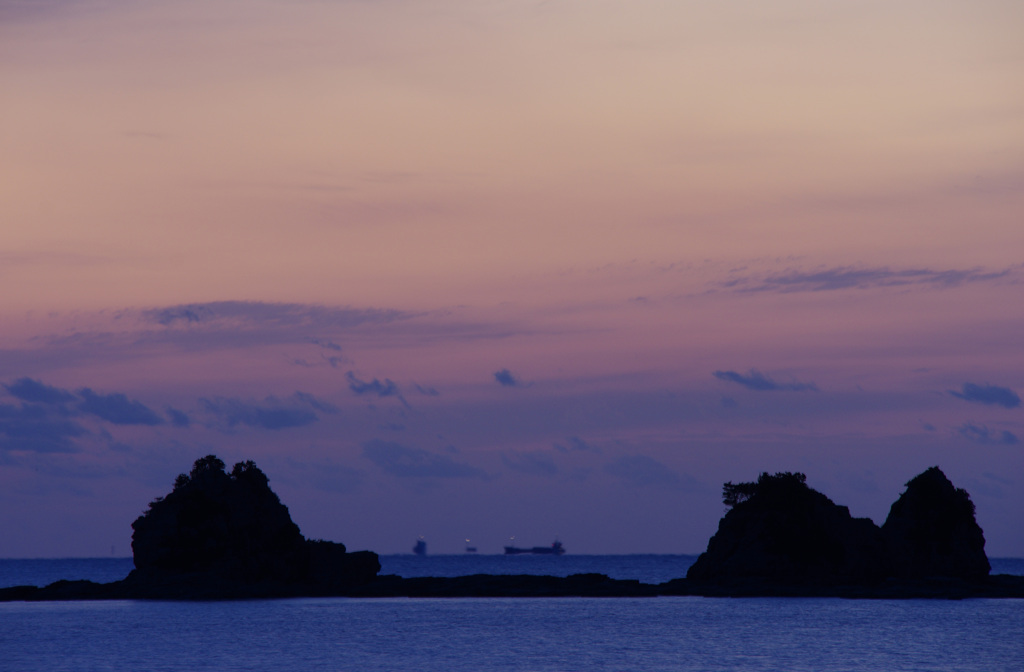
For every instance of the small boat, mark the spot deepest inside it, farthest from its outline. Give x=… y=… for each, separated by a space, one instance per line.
x=554 y=549
x=420 y=548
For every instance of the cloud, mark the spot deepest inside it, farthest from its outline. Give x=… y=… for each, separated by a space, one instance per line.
x=535 y=463
x=375 y=388
x=847 y=277
x=506 y=379
x=178 y=418
x=406 y=462
x=327 y=345
x=242 y=324
x=644 y=471
x=988 y=394
x=35 y=391
x=318 y=404
x=36 y=428
x=334 y=361
x=272 y=413
x=982 y=434
x=117 y=409
x=755 y=380
x=577 y=444
x=238 y=313
x=426 y=391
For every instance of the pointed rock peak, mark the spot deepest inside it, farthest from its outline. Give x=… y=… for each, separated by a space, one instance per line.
x=931 y=530
x=931 y=480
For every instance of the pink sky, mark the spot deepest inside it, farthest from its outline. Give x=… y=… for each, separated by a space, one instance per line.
x=697 y=241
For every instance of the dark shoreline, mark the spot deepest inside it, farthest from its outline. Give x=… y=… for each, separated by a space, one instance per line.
x=202 y=588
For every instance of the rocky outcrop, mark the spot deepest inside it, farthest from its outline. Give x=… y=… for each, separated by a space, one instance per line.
x=781 y=534
x=931 y=531
x=228 y=536
x=217 y=532
x=780 y=530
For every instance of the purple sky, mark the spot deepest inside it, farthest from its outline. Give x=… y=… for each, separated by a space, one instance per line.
x=486 y=269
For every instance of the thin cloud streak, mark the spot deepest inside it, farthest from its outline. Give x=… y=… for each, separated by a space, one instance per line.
x=849 y=277
x=755 y=380
x=238 y=313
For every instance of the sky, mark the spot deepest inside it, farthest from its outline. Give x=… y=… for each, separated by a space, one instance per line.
x=495 y=269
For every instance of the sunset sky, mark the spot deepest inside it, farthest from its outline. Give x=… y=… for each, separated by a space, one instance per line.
x=482 y=269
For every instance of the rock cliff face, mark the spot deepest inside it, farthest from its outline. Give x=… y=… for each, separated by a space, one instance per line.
x=232 y=528
x=931 y=531
x=782 y=532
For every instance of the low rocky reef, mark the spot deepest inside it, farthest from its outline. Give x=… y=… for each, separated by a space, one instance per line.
x=220 y=535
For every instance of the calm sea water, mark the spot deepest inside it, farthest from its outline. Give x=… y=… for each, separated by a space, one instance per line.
x=544 y=634
x=678 y=633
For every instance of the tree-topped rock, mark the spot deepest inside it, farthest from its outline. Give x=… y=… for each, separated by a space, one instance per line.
x=780 y=532
x=931 y=531
x=233 y=528
x=778 y=529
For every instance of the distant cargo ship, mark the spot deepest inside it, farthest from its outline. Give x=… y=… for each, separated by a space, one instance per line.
x=554 y=549
x=420 y=548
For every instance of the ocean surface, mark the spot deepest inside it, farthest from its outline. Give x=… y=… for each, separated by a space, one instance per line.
x=539 y=634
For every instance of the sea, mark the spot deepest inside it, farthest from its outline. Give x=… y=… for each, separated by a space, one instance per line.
x=522 y=634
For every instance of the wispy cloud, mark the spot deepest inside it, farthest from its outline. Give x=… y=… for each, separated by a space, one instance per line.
x=644 y=471
x=272 y=413
x=44 y=421
x=409 y=462
x=260 y=312
x=755 y=380
x=117 y=409
x=575 y=443
x=992 y=395
x=333 y=360
x=37 y=428
x=318 y=404
x=27 y=389
x=241 y=324
x=178 y=418
x=375 y=388
x=535 y=463
x=982 y=434
x=848 y=277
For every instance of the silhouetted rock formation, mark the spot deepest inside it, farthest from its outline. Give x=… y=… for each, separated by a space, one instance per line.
x=782 y=531
x=931 y=531
x=227 y=536
x=229 y=533
x=781 y=534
